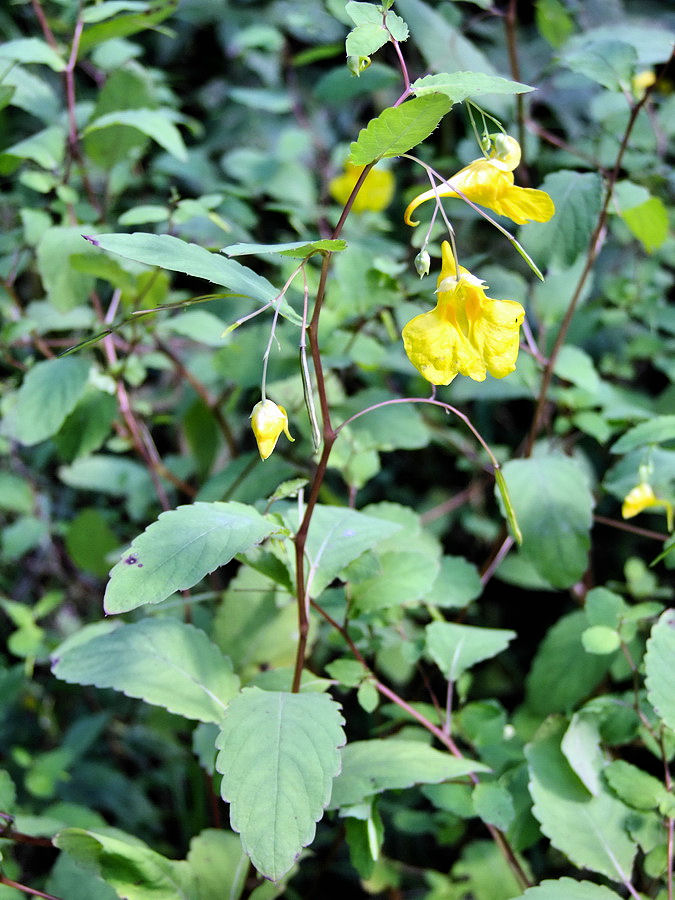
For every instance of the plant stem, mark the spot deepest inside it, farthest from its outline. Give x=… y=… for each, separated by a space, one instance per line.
x=329 y=437
x=510 y=19
x=28 y=890
x=591 y=255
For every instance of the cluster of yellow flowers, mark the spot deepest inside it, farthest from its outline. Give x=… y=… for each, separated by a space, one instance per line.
x=469 y=333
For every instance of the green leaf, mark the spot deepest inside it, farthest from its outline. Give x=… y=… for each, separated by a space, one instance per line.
x=32 y=50
x=553 y=21
x=398 y=129
x=652 y=43
x=278 y=756
x=46 y=147
x=118 y=476
x=633 y=786
x=588 y=829
x=648 y=222
x=256 y=623
x=125 y=862
x=656 y=430
x=179 y=549
x=65 y=287
x=219 y=864
x=443 y=46
x=568 y=889
x=16 y=494
x=659 y=668
x=456 y=648
x=562 y=673
x=600 y=639
x=609 y=63
x=365 y=39
x=457 y=584
x=553 y=505
x=336 y=537
x=109 y=8
x=171 y=253
x=578 y=198
x=402 y=577
x=125 y=26
x=155 y=123
x=370 y=767
x=493 y=803
x=49 y=393
x=161 y=661
x=294 y=249
x=89 y=539
x=460 y=85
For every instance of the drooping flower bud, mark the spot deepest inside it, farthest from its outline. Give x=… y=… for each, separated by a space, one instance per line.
x=268 y=420
x=423 y=263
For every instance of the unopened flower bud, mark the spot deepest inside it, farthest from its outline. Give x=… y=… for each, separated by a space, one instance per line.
x=268 y=421
x=423 y=263
x=357 y=64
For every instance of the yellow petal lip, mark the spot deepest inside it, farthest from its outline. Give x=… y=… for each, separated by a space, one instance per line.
x=377 y=190
x=467 y=333
x=268 y=420
x=642 y=497
x=489 y=183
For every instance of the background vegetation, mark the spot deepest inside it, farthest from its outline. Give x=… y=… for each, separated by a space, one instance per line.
x=508 y=711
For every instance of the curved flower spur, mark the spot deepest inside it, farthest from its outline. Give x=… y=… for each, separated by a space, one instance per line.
x=488 y=181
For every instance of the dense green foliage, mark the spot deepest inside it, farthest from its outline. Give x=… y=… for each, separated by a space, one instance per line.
x=429 y=643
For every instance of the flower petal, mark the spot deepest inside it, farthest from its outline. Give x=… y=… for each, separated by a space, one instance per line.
x=486 y=183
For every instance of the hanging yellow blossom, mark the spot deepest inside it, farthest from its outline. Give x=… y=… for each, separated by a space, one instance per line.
x=642 y=497
x=268 y=421
x=489 y=182
x=642 y=80
x=376 y=191
x=468 y=333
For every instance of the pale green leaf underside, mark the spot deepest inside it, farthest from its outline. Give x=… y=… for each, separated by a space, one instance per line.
x=179 y=549
x=134 y=870
x=152 y=122
x=568 y=889
x=294 y=249
x=660 y=669
x=365 y=39
x=49 y=393
x=336 y=537
x=278 y=757
x=162 y=661
x=32 y=50
x=456 y=648
x=460 y=85
x=398 y=129
x=370 y=767
x=553 y=505
x=171 y=253
x=588 y=829
x=656 y=430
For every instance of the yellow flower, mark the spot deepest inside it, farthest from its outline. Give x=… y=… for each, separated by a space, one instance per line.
x=468 y=333
x=489 y=182
x=268 y=421
x=641 y=81
x=376 y=191
x=641 y=497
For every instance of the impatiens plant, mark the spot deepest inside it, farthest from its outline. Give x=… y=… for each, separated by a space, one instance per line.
x=418 y=647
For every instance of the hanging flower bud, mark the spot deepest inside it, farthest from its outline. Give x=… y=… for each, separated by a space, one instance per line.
x=357 y=64
x=423 y=263
x=268 y=421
